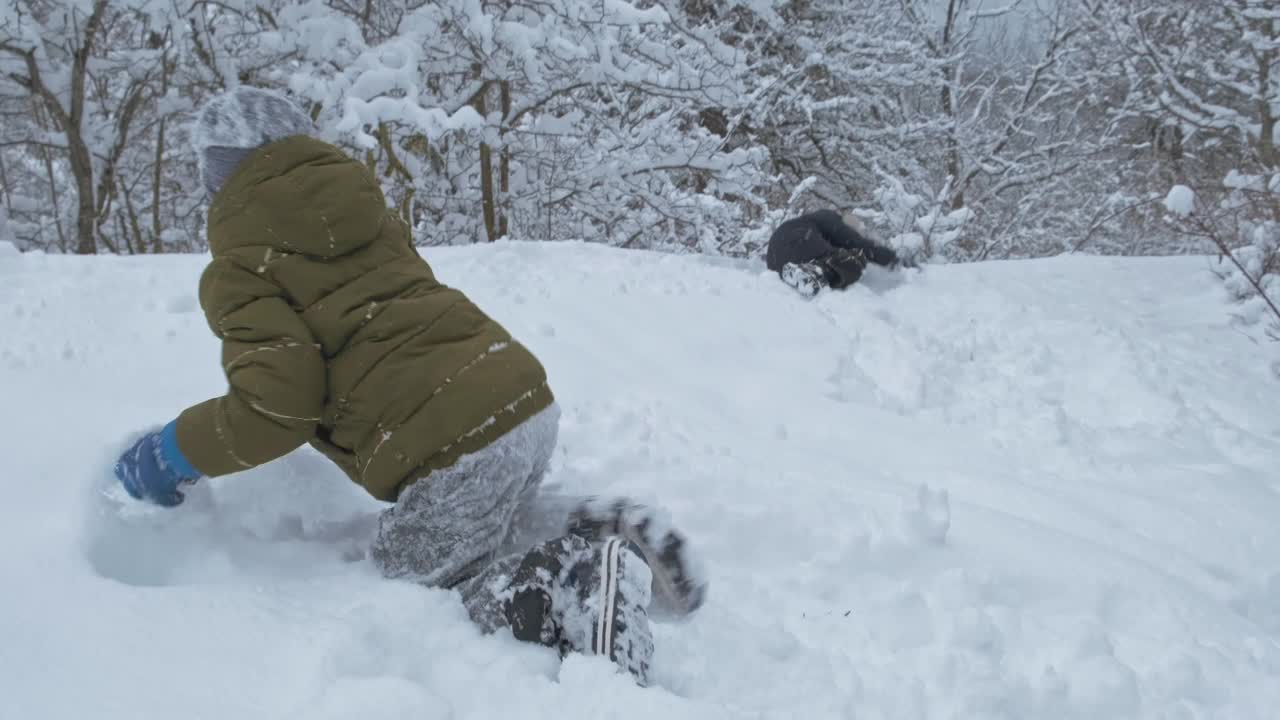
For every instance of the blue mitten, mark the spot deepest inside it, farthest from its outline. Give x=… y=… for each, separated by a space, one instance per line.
x=154 y=468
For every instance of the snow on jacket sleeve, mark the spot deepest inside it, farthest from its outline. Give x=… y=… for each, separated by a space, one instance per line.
x=274 y=368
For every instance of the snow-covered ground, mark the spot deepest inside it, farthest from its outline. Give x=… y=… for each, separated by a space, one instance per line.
x=1042 y=489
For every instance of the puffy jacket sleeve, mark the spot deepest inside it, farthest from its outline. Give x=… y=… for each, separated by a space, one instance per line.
x=839 y=234
x=275 y=372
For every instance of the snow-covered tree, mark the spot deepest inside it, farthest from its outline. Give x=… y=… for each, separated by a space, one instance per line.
x=964 y=129
x=1194 y=94
x=87 y=89
x=933 y=121
x=568 y=119
x=1209 y=72
x=1241 y=219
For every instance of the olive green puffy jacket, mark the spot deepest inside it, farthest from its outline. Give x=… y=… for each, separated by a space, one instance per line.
x=335 y=332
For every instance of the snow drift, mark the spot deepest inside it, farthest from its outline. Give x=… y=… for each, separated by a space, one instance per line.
x=1039 y=489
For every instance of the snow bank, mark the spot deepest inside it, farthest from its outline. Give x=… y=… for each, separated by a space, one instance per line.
x=1038 y=489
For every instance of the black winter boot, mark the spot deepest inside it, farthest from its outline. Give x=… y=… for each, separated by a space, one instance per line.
x=844 y=267
x=808 y=279
x=529 y=612
x=604 y=602
x=573 y=596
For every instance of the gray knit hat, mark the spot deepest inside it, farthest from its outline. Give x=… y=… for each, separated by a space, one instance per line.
x=235 y=123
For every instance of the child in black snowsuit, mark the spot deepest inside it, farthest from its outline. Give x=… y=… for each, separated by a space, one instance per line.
x=818 y=250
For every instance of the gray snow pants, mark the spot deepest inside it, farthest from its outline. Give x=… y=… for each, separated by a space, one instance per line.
x=468 y=525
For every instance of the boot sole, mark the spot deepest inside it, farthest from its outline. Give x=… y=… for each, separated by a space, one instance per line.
x=593 y=525
x=681 y=603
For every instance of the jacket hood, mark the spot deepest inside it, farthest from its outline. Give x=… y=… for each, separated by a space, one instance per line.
x=298 y=195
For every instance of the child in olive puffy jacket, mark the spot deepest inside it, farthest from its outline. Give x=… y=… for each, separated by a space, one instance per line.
x=336 y=333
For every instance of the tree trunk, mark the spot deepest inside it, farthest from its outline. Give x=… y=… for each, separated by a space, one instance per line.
x=157 y=171
x=86 y=215
x=73 y=126
x=504 y=179
x=157 y=229
x=954 y=166
x=70 y=124
x=397 y=168
x=1266 y=139
x=57 y=200
x=132 y=230
x=488 y=203
x=4 y=187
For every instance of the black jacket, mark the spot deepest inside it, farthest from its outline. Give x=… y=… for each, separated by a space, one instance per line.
x=816 y=235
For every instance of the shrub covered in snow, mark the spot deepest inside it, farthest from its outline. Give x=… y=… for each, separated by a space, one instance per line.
x=1241 y=218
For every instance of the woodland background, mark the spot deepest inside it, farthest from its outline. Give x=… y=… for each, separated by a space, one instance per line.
x=961 y=130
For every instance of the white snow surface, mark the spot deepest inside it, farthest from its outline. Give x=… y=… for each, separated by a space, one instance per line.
x=1036 y=489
